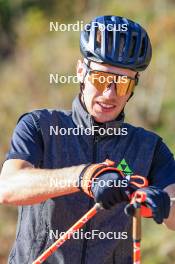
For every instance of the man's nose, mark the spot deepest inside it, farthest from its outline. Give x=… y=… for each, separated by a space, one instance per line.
x=110 y=90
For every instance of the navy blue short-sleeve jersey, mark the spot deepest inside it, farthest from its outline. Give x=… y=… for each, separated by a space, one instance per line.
x=162 y=172
x=26 y=143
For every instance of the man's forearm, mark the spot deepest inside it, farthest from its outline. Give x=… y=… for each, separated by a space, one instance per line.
x=31 y=186
x=170 y=222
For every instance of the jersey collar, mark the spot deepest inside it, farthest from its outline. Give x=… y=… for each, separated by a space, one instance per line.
x=83 y=119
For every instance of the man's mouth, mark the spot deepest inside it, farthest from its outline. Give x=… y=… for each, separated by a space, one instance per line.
x=106 y=106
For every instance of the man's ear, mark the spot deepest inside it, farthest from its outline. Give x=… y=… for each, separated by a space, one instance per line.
x=80 y=71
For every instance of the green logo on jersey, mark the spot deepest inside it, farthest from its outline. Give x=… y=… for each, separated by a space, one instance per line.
x=124 y=167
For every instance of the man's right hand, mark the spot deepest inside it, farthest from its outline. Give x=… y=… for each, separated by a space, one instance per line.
x=105 y=183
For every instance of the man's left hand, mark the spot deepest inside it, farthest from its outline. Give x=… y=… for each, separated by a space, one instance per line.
x=156 y=203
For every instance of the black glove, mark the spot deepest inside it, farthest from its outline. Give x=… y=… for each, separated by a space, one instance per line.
x=105 y=183
x=109 y=189
x=156 y=204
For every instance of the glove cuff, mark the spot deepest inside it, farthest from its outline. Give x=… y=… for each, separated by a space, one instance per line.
x=92 y=171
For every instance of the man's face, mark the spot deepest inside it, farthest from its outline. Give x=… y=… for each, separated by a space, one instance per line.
x=106 y=105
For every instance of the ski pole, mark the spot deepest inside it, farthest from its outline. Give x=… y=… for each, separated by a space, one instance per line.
x=136 y=232
x=172 y=199
x=136 y=235
x=92 y=212
x=134 y=209
x=134 y=206
x=81 y=222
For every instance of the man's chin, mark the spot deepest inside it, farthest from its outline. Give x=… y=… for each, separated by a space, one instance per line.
x=103 y=119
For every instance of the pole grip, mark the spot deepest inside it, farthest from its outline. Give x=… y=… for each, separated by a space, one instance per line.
x=137 y=225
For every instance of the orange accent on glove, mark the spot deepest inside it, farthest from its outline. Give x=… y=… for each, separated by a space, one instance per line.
x=140 y=197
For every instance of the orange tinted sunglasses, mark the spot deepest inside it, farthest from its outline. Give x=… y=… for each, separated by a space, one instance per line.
x=102 y=80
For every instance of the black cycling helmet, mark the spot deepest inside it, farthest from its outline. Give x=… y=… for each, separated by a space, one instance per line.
x=117 y=41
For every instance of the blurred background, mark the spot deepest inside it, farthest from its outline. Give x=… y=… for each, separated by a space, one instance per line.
x=29 y=52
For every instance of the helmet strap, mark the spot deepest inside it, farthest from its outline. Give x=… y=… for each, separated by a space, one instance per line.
x=137 y=77
x=86 y=63
x=137 y=80
x=81 y=96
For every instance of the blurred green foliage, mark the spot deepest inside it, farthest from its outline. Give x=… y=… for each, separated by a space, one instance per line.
x=29 y=52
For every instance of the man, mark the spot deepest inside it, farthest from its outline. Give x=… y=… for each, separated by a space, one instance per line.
x=39 y=160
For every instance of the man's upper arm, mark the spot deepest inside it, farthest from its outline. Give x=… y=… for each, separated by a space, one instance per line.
x=162 y=173
x=26 y=143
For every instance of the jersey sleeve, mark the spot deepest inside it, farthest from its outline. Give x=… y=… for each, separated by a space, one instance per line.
x=162 y=171
x=26 y=142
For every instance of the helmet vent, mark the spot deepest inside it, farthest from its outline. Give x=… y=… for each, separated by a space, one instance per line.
x=133 y=46
x=122 y=44
x=98 y=38
x=110 y=42
x=142 y=51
